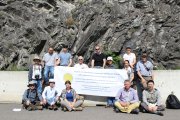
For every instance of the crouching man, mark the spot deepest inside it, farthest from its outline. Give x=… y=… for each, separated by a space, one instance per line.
x=127 y=99
x=32 y=100
x=50 y=95
x=152 y=100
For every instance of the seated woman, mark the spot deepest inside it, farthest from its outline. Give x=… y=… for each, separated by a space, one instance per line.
x=69 y=101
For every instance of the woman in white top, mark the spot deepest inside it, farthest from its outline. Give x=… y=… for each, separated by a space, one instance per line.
x=131 y=57
x=130 y=71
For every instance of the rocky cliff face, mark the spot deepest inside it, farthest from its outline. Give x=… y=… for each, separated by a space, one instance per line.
x=29 y=27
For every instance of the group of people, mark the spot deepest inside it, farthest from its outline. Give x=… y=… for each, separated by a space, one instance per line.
x=41 y=72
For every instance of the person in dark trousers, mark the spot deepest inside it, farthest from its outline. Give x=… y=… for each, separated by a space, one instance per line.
x=110 y=65
x=152 y=100
x=32 y=100
x=98 y=59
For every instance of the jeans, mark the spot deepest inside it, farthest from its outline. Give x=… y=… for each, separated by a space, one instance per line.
x=48 y=73
x=51 y=101
x=39 y=85
x=110 y=101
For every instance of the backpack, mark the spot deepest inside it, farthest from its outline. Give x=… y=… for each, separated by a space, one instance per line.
x=28 y=95
x=172 y=102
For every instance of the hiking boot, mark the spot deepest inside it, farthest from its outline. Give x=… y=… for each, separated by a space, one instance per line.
x=159 y=113
x=78 y=109
x=135 y=111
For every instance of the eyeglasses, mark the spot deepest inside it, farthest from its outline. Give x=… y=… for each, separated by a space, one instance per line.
x=80 y=59
x=97 y=49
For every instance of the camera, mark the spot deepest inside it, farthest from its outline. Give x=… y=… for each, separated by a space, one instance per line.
x=36 y=76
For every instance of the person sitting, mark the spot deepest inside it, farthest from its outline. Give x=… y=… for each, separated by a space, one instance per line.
x=50 y=95
x=36 y=73
x=152 y=100
x=32 y=100
x=110 y=65
x=69 y=101
x=80 y=63
x=127 y=99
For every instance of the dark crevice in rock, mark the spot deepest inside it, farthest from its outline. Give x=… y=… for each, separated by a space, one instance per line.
x=38 y=49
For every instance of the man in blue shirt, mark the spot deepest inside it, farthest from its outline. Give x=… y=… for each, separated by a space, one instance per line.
x=127 y=99
x=65 y=58
x=144 y=70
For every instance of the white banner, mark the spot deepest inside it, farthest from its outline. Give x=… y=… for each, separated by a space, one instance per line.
x=97 y=82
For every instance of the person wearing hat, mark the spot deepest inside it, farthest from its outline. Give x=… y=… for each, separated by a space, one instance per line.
x=64 y=57
x=131 y=57
x=50 y=95
x=69 y=99
x=110 y=65
x=32 y=100
x=36 y=73
x=144 y=70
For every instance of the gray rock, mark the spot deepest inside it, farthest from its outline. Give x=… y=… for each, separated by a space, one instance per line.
x=29 y=27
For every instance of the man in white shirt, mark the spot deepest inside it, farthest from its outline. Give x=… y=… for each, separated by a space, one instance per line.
x=131 y=57
x=80 y=63
x=50 y=95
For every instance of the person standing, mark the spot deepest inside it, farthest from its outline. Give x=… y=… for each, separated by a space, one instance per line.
x=152 y=100
x=80 y=63
x=131 y=57
x=110 y=65
x=36 y=73
x=64 y=57
x=144 y=70
x=98 y=59
x=130 y=71
x=49 y=60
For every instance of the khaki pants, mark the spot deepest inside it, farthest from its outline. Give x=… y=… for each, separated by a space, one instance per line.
x=126 y=109
x=34 y=106
x=78 y=103
x=147 y=78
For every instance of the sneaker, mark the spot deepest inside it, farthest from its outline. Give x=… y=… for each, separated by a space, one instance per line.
x=55 y=107
x=116 y=110
x=64 y=109
x=107 y=106
x=50 y=107
x=160 y=113
x=29 y=108
x=135 y=111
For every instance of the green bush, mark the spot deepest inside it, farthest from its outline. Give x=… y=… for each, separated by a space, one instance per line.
x=117 y=59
